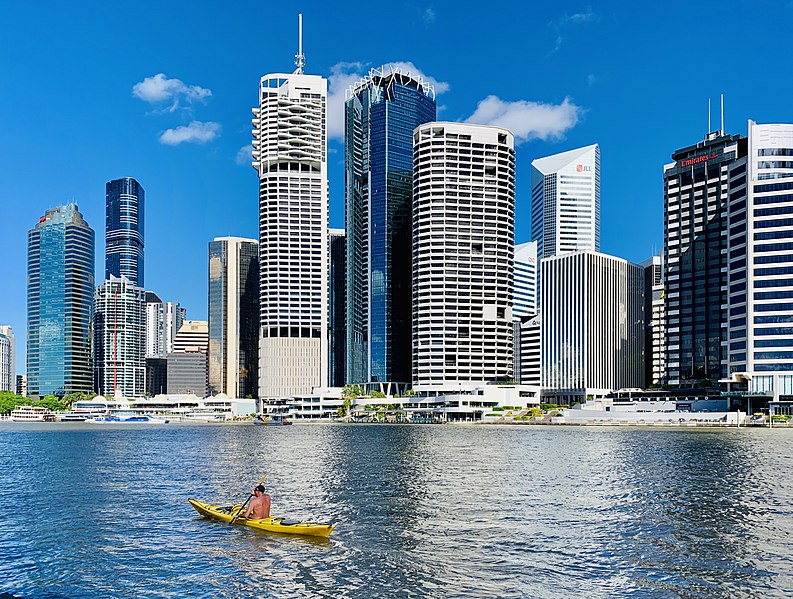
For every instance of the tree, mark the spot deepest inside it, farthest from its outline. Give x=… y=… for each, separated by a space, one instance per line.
x=71 y=398
x=53 y=403
x=352 y=391
x=378 y=394
x=10 y=401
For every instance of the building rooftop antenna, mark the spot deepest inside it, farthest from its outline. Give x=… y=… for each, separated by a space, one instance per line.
x=300 y=59
x=722 y=114
x=709 y=129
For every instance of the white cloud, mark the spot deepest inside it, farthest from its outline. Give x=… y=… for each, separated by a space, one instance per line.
x=243 y=156
x=159 y=89
x=196 y=132
x=345 y=74
x=528 y=120
x=591 y=79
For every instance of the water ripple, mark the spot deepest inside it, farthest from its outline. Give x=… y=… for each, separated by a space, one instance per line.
x=436 y=511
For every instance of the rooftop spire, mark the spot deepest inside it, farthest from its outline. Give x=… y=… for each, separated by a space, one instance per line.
x=300 y=58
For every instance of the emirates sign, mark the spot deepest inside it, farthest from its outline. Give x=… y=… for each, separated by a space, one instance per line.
x=698 y=159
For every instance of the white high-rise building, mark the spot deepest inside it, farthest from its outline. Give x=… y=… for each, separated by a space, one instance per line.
x=525 y=280
x=592 y=326
x=163 y=321
x=119 y=338
x=760 y=250
x=290 y=157
x=463 y=252
x=8 y=380
x=565 y=202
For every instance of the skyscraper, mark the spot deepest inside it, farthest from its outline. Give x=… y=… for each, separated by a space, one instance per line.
x=381 y=112
x=163 y=321
x=695 y=259
x=186 y=366
x=525 y=280
x=60 y=303
x=7 y=350
x=760 y=268
x=290 y=157
x=124 y=204
x=463 y=253
x=592 y=325
x=565 y=202
x=337 y=315
x=233 y=316
x=119 y=338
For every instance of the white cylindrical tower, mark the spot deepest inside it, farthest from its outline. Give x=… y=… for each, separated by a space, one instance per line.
x=463 y=253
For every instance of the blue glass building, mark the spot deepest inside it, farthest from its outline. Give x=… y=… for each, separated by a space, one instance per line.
x=124 y=204
x=60 y=303
x=381 y=113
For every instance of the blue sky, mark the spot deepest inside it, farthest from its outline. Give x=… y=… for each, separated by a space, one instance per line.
x=162 y=92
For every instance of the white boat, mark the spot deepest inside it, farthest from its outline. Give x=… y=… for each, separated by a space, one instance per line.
x=31 y=414
x=271 y=420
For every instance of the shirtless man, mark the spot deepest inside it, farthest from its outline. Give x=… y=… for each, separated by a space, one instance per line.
x=259 y=507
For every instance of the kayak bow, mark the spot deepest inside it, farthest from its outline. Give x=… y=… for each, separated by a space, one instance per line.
x=282 y=525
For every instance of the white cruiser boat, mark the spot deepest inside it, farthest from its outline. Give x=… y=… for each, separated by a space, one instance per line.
x=32 y=414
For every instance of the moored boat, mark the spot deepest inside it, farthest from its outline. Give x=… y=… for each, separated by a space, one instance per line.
x=271 y=420
x=280 y=525
x=31 y=414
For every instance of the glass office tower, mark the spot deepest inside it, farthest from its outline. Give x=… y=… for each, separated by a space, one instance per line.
x=124 y=202
x=695 y=258
x=233 y=355
x=381 y=112
x=60 y=303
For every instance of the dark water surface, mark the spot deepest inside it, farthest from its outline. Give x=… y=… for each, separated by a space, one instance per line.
x=423 y=511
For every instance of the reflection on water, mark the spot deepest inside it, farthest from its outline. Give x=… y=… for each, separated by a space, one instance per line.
x=435 y=511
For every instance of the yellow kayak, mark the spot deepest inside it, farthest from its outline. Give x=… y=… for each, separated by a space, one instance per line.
x=282 y=525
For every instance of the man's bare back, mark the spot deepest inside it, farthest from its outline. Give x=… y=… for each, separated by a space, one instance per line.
x=259 y=506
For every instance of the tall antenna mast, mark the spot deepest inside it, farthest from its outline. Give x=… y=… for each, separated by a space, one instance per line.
x=709 y=129
x=300 y=59
x=722 y=114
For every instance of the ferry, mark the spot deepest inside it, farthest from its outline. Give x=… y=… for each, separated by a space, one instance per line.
x=128 y=420
x=32 y=414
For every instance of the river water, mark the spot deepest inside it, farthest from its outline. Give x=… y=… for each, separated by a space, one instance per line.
x=423 y=511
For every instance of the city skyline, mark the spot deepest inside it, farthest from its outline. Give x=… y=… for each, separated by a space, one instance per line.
x=152 y=99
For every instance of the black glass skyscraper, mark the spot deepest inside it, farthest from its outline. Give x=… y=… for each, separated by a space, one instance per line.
x=695 y=258
x=380 y=115
x=124 y=204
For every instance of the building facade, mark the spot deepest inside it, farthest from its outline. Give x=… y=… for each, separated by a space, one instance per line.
x=290 y=157
x=525 y=303
x=695 y=259
x=124 y=211
x=592 y=326
x=463 y=255
x=565 y=202
x=337 y=314
x=381 y=112
x=234 y=317
x=655 y=322
x=760 y=268
x=163 y=321
x=119 y=338
x=60 y=303
x=186 y=366
x=7 y=353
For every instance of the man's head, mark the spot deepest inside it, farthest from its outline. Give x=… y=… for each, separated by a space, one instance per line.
x=259 y=489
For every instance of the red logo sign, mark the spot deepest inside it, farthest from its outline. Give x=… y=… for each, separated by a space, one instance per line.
x=579 y=167
x=698 y=159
